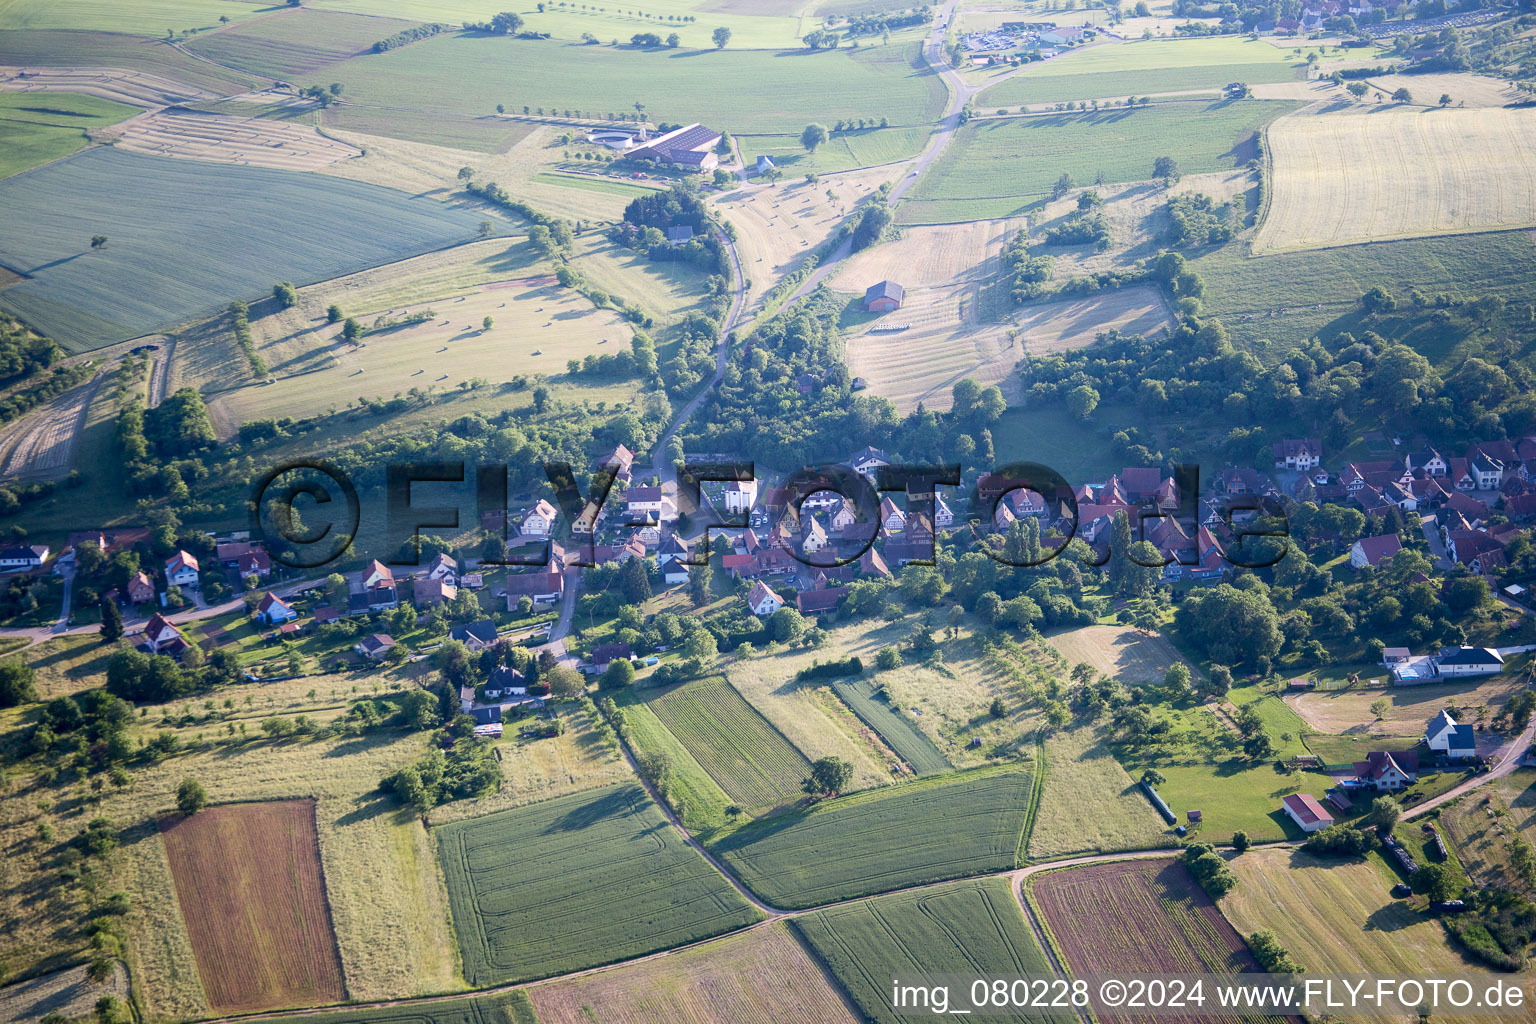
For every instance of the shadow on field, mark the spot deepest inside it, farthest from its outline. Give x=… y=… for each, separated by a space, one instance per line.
x=618 y=803
x=370 y=806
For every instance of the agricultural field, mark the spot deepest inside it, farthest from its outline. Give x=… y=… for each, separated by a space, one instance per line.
x=250 y=890
x=106 y=56
x=146 y=18
x=1138 y=917
x=1337 y=916
x=295 y=42
x=131 y=88
x=388 y=948
x=778 y=225
x=502 y=1008
x=752 y=762
x=69 y=993
x=479 y=133
x=1119 y=652
x=230 y=140
x=1144 y=68
x=1463 y=89
x=541 y=170
x=36 y=128
x=165 y=262
x=893 y=725
x=575 y=882
x=536 y=323
x=1411 y=707
x=944 y=257
x=972 y=927
x=844 y=151
x=943 y=827
x=762 y=976
x=1088 y=803
x=997 y=167
x=1409 y=173
x=470 y=74
x=695 y=797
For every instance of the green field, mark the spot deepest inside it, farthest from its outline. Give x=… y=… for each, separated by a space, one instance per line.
x=575 y=882
x=1144 y=67
x=1088 y=804
x=139 y=17
x=697 y=798
x=168 y=260
x=843 y=151
x=508 y=1008
x=470 y=74
x=733 y=743
x=97 y=49
x=997 y=167
x=38 y=127
x=946 y=827
x=973 y=927
x=295 y=42
x=1235 y=796
x=898 y=730
x=605 y=186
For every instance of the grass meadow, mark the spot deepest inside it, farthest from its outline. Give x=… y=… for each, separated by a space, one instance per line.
x=927 y=831
x=895 y=728
x=1235 y=795
x=166 y=261
x=1088 y=803
x=294 y=43
x=470 y=74
x=695 y=796
x=761 y=976
x=1142 y=68
x=998 y=166
x=141 y=18
x=36 y=128
x=973 y=927
x=844 y=151
x=575 y=882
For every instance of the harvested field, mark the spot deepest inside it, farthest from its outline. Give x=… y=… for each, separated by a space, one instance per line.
x=1345 y=178
x=137 y=88
x=68 y=993
x=1463 y=89
x=763 y=976
x=1075 y=323
x=250 y=889
x=929 y=257
x=1349 y=711
x=508 y=1008
x=230 y=140
x=575 y=882
x=739 y=749
x=294 y=42
x=41 y=445
x=942 y=345
x=1139 y=917
x=1121 y=652
x=779 y=225
x=112 y=54
x=944 y=827
x=142 y=17
x=1338 y=917
x=973 y=927
x=1088 y=804
x=168 y=262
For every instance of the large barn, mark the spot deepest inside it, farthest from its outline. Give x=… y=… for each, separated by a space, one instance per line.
x=691 y=146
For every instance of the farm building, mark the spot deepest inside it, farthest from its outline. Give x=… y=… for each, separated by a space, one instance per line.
x=691 y=147
x=884 y=297
x=1306 y=812
x=765 y=164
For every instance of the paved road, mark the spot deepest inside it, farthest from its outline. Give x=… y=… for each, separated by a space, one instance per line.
x=1508 y=759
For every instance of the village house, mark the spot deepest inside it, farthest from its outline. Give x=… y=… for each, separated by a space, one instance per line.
x=161 y=637
x=543 y=587
x=242 y=558
x=141 y=589
x=1306 y=812
x=443 y=567
x=476 y=636
x=23 y=557
x=762 y=601
x=274 y=611
x=604 y=655
x=868 y=461
x=814 y=602
x=674 y=570
x=646 y=504
x=375 y=647
x=539 y=521
x=427 y=592
x=1387 y=771
x=181 y=570
x=1299 y=453
x=1468 y=661
x=1369 y=551
x=1444 y=736
x=892 y=518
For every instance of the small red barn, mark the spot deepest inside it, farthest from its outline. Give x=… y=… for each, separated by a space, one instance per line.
x=884 y=297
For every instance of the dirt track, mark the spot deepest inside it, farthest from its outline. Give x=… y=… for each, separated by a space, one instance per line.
x=41 y=445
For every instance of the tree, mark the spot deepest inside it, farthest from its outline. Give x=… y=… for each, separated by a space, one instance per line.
x=786 y=625
x=674 y=41
x=98 y=241
x=813 y=136
x=888 y=658
x=190 y=796
x=1403 y=96
x=286 y=294
x=1082 y=400
x=1153 y=777
x=17 y=684
x=1240 y=841
x=620 y=673
x=1166 y=168
x=487 y=323
x=1435 y=881
x=721 y=36
x=702 y=648
x=111 y=620
x=997 y=709
x=634 y=583
x=1380 y=707
x=507 y=23
x=1385 y=813
x=1357 y=89
x=564 y=682
x=828 y=777
x=1445 y=99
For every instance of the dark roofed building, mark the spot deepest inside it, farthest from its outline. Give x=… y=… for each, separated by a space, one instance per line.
x=884 y=297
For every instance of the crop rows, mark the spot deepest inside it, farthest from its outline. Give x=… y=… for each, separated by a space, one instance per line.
x=249 y=885
x=972 y=927
x=755 y=765
x=1139 y=917
x=575 y=882
x=945 y=827
x=294 y=43
x=899 y=731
